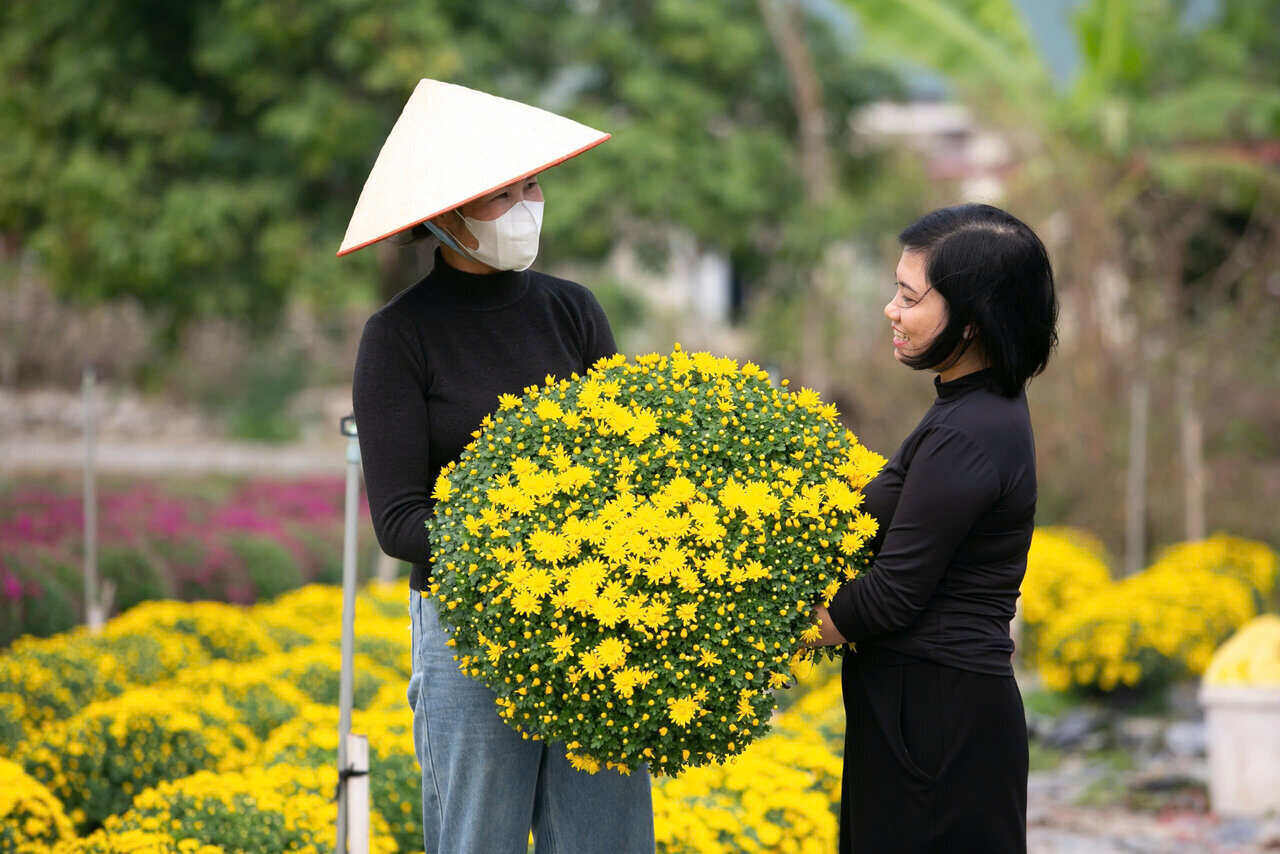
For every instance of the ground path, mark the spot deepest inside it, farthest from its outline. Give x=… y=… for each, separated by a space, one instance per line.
x=205 y=456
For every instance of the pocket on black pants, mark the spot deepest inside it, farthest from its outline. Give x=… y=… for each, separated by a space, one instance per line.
x=922 y=718
x=907 y=704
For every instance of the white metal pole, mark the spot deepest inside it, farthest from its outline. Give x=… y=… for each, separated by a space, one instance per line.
x=347 y=678
x=94 y=615
x=357 y=786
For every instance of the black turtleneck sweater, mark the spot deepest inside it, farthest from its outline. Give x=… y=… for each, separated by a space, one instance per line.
x=432 y=363
x=956 y=506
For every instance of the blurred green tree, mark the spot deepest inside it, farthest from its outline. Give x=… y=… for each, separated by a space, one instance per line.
x=205 y=156
x=1155 y=172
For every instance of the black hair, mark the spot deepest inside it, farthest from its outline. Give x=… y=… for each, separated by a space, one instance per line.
x=414 y=235
x=995 y=276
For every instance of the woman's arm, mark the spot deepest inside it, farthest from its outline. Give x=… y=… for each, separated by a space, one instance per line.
x=949 y=484
x=388 y=392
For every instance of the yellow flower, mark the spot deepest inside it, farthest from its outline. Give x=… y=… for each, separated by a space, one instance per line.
x=625 y=681
x=443 y=490
x=550 y=547
x=807 y=398
x=525 y=602
x=591 y=664
x=548 y=410
x=562 y=645
x=583 y=763
x=681 y=710
x=612 y=653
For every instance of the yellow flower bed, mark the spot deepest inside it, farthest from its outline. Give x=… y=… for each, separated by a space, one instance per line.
x=779 y=795
x=1250 y=657
x=1248 y=561
x=1158 y=625
x=312 y=615
x=311 y=740
x=275 y=809
x=13 y=723
x=31 y=818
x=1083 y=630
x=1064 y=566
x=630 y=559
x=57 y=676
x=261 y=699
x=96 y=761
x=132 y=763
x=315 y=671
x=216 y=710
x=224 y=630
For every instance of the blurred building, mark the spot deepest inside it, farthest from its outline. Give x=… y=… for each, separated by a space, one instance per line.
x=953 y=144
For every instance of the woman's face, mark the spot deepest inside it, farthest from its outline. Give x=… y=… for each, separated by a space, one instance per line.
x=489 y=207
x=917 y=312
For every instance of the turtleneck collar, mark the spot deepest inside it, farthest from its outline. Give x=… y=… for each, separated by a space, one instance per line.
x=961 y=385
x=451 y=286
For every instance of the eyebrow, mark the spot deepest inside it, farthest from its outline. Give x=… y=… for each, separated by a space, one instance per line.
x=904 y=285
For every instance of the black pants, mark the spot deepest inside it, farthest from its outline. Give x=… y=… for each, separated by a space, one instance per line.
x=935 y=759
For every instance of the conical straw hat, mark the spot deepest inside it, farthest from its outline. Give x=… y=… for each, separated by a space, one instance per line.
x=450 y=145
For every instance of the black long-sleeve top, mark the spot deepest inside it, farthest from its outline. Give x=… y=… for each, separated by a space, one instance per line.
x=956 y=507
x=432 y=363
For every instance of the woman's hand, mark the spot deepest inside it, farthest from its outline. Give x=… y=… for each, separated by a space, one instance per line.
x=830 y=635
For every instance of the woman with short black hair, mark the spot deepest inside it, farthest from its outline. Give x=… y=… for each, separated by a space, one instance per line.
x=936 y=743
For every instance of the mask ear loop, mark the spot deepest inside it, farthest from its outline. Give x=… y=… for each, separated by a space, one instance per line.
x=447 y=239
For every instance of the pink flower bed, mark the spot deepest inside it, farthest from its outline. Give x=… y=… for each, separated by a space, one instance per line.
x=255 y=539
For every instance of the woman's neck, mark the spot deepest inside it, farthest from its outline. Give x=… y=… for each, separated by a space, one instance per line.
x=970 y=361
x=458 y=261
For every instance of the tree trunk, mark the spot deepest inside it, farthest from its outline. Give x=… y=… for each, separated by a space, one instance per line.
x=1135 y=546
x=1192 y=457
x=784 y=21
x=388 y=567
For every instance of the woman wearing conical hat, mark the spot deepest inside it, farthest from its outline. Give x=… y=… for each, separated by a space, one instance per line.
x=432 y=363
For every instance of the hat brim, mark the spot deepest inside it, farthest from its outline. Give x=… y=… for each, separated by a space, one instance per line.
x=452 y=145
x=485 y=192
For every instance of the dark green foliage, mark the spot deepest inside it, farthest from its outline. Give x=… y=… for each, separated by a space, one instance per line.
x=136 y=576
x=205 y=156
x=50 y=600
x=271 y=567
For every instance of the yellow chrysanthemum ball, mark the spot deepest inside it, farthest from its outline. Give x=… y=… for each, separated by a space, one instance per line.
x=1250 y=657
x=31 y=818
x=630 y=559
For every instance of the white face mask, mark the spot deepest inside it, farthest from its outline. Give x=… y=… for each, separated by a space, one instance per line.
x=509 y=242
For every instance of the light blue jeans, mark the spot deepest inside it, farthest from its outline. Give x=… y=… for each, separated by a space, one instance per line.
x=484 y=787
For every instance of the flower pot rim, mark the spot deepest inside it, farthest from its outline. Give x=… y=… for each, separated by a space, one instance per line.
x=1240 y=695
